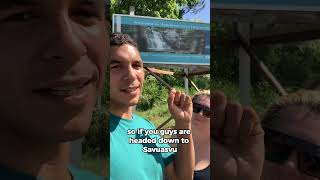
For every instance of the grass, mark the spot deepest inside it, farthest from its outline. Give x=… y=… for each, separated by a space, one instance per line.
x=262 y=95
x=159 y=112
x=157 y=115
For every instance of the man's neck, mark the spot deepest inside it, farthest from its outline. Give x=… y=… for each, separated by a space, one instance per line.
x=49 y=161
x=122 y=112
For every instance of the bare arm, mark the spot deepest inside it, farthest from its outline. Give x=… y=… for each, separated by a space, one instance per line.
x=180 y=107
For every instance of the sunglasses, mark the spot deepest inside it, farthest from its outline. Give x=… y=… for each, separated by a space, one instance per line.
x=197 y=108
x=280 y=146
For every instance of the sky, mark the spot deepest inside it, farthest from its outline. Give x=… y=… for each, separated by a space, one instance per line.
x=204 y=15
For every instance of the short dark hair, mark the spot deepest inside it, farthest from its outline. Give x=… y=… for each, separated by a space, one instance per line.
x=118 y=39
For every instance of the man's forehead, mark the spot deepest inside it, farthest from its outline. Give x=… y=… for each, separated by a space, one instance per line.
x=125 y=50
x=123 y=60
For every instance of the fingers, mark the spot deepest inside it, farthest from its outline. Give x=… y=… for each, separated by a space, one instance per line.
x=179 y=99
x=180 y=107
x=232 y=123
x=218 y=104
x=250 y=123
x=183 y=98
x=171 y=97
x=188 y=102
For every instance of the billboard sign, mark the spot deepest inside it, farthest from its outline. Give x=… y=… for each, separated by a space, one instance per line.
x=167 y=41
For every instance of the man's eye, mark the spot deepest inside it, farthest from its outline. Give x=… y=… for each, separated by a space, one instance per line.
x=86 y=17
x=137 y=66
x=20 y=17
x=115 y=67
x=85 y=13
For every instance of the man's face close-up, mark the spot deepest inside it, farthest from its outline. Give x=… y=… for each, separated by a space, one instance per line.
x=301 y=163
x=126 y=75
x=53 y=60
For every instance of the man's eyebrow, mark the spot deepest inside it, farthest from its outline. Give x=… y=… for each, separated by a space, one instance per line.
x=6 y=4
x=137 y=61
x=114 y=61
x=95 y=3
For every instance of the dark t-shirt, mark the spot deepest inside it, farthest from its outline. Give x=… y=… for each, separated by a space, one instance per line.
x=203 y=174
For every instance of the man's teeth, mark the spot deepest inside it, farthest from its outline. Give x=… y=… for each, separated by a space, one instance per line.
x=131 y=89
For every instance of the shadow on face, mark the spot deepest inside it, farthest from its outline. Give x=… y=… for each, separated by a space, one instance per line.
x=296 y=157
x=53 y=66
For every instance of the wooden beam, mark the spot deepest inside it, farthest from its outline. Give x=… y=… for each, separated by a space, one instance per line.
x=192 y=83
x=279 y=38
x=261 y=65
x=159 y=71
x=288 y=37
x=165 y=122
x=159 y=79
x=195 y=73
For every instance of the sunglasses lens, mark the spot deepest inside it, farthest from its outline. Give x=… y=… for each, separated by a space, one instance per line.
x=276 y=150
x=206 y=113
x=196 y=109
x=277 y=153
x=309 y=164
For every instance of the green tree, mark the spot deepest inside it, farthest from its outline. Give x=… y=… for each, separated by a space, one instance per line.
x=174 y=9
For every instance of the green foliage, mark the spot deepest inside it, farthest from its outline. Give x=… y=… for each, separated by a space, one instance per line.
x=153 y=94
x=174 y=9
x=153 y=102
x=263 y=94
x=293 y=64
x=230 y=89
x=96 y=141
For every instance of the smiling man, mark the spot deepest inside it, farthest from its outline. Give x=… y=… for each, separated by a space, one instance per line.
x=53 y=60
x=129 y=161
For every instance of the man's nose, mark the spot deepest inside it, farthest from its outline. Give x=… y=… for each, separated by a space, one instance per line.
x=130 y=74
x=66 y=41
